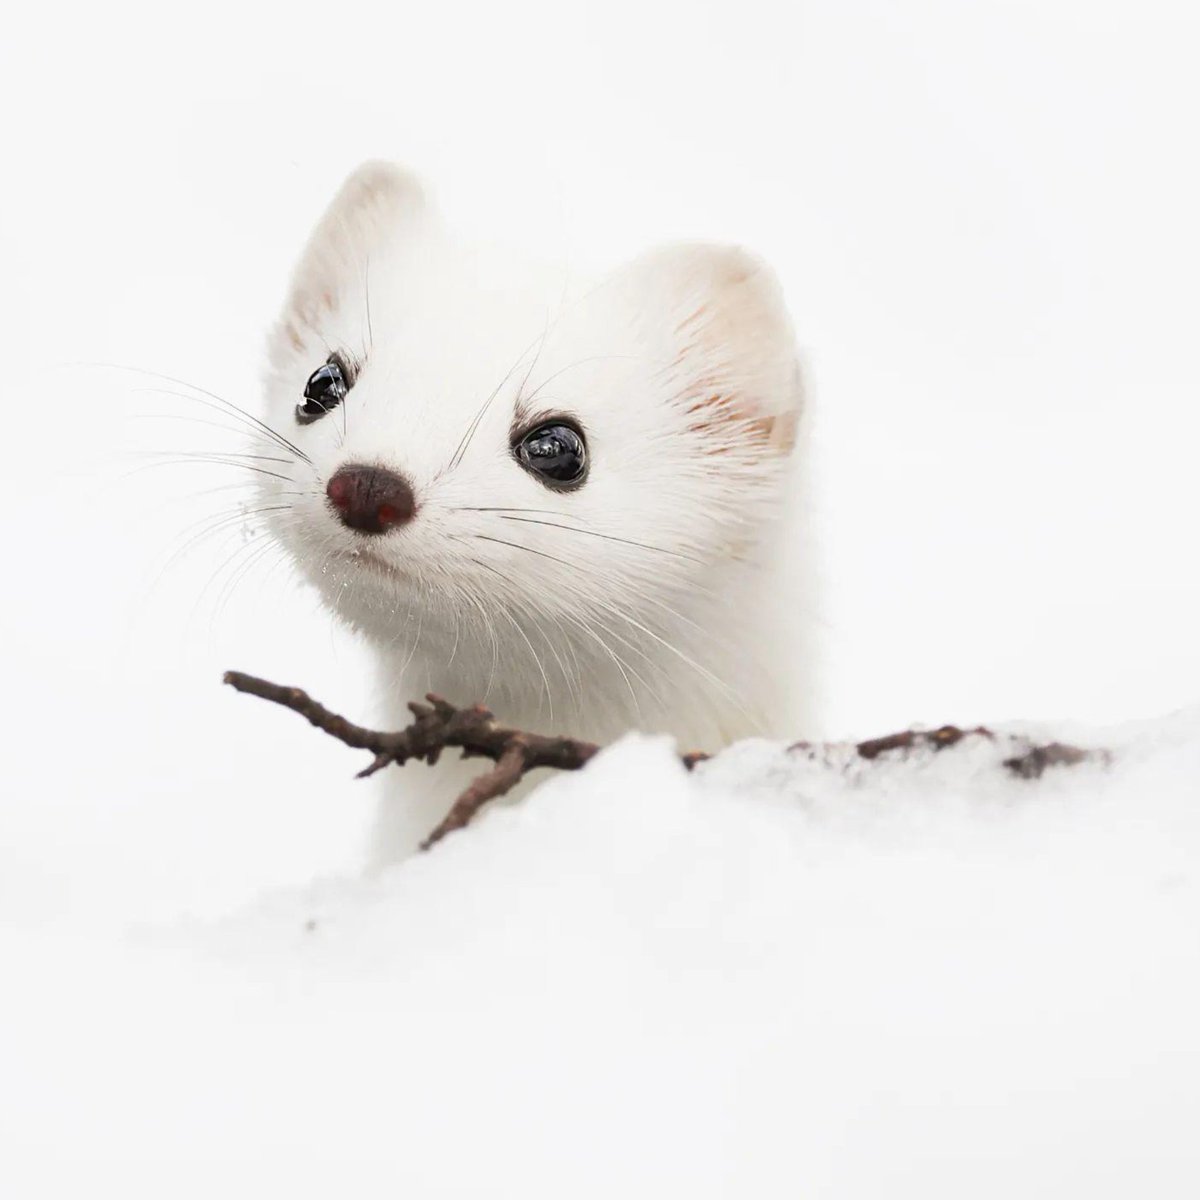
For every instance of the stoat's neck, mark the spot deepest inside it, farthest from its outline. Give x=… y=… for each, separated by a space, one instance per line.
x=720 y=674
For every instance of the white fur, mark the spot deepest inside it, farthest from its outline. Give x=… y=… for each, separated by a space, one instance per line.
x=670 y=602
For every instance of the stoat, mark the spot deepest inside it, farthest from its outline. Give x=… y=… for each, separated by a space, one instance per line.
x=577 y=504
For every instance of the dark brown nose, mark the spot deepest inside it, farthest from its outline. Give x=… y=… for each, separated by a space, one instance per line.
x=371 y=499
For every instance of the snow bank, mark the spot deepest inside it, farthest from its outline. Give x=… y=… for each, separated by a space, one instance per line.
x=783 y=976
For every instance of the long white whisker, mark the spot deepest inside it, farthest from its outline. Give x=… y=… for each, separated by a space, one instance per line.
x=608 y=537
x=208 y=399
x=196 y=459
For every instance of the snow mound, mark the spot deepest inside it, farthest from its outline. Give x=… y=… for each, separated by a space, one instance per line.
x=790 y=973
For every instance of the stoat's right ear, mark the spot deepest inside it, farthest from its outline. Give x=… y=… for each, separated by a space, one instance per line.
x=372 y=206
x=715 y=316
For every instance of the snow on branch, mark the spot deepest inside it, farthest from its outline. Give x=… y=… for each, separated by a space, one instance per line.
x=438 y=725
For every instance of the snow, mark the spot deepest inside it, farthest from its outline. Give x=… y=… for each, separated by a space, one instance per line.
x=786 y=975
x=783 y=976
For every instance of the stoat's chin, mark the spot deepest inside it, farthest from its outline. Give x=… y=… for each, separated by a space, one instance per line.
x=364 y=572
x=371 y=560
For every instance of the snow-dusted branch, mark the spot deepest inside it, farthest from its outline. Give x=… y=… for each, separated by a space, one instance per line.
x=1029 y=763
x=438 y=725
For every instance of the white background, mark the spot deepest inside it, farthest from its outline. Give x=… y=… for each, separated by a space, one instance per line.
x=985 y=218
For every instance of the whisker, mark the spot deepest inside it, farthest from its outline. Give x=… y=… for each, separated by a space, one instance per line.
x=206 y=455
x=537 y=356
x=417 y=640
x=200 y=531
x=625 y=668
x=247 y=424
x=622 y=666
x=567 y=678
x=491 y=628
x=262 y=544
x=229 y=404
x=191 y=497
x=198 y=461
x=533 y=654
x=673 y=649
x=240 y=430
x=471 y=429
x=367 y=302
x=242 y=454
x=608 y=537
x=545 y=512
x=571 y=366
x=516 y=546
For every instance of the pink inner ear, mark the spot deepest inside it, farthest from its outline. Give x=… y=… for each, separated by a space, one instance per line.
x=714 y=415
x=715 y=405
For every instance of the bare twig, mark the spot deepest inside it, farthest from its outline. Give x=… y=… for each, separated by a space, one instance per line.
x=438 y=725
x=1036 y=759
x=507 y=772
x=912 y=739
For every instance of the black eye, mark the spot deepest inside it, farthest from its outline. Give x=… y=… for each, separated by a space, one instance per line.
x=555 y=452
x=326 y=388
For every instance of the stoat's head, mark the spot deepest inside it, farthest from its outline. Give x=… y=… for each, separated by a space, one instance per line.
x=477 y=446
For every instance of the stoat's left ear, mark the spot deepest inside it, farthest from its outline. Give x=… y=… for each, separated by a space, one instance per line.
x=730 y=348
x=372 y=206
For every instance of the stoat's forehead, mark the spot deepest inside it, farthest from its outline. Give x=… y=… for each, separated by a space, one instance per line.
x=443 y=341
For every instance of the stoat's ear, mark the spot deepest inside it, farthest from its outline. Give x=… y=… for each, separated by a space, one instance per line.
x=372 y=206
x=730 y=349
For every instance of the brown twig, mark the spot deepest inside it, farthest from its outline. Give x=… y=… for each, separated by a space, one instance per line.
x=911 y=739
x=438 y=725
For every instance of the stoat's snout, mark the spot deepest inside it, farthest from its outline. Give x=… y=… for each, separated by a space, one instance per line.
x=371 y=499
